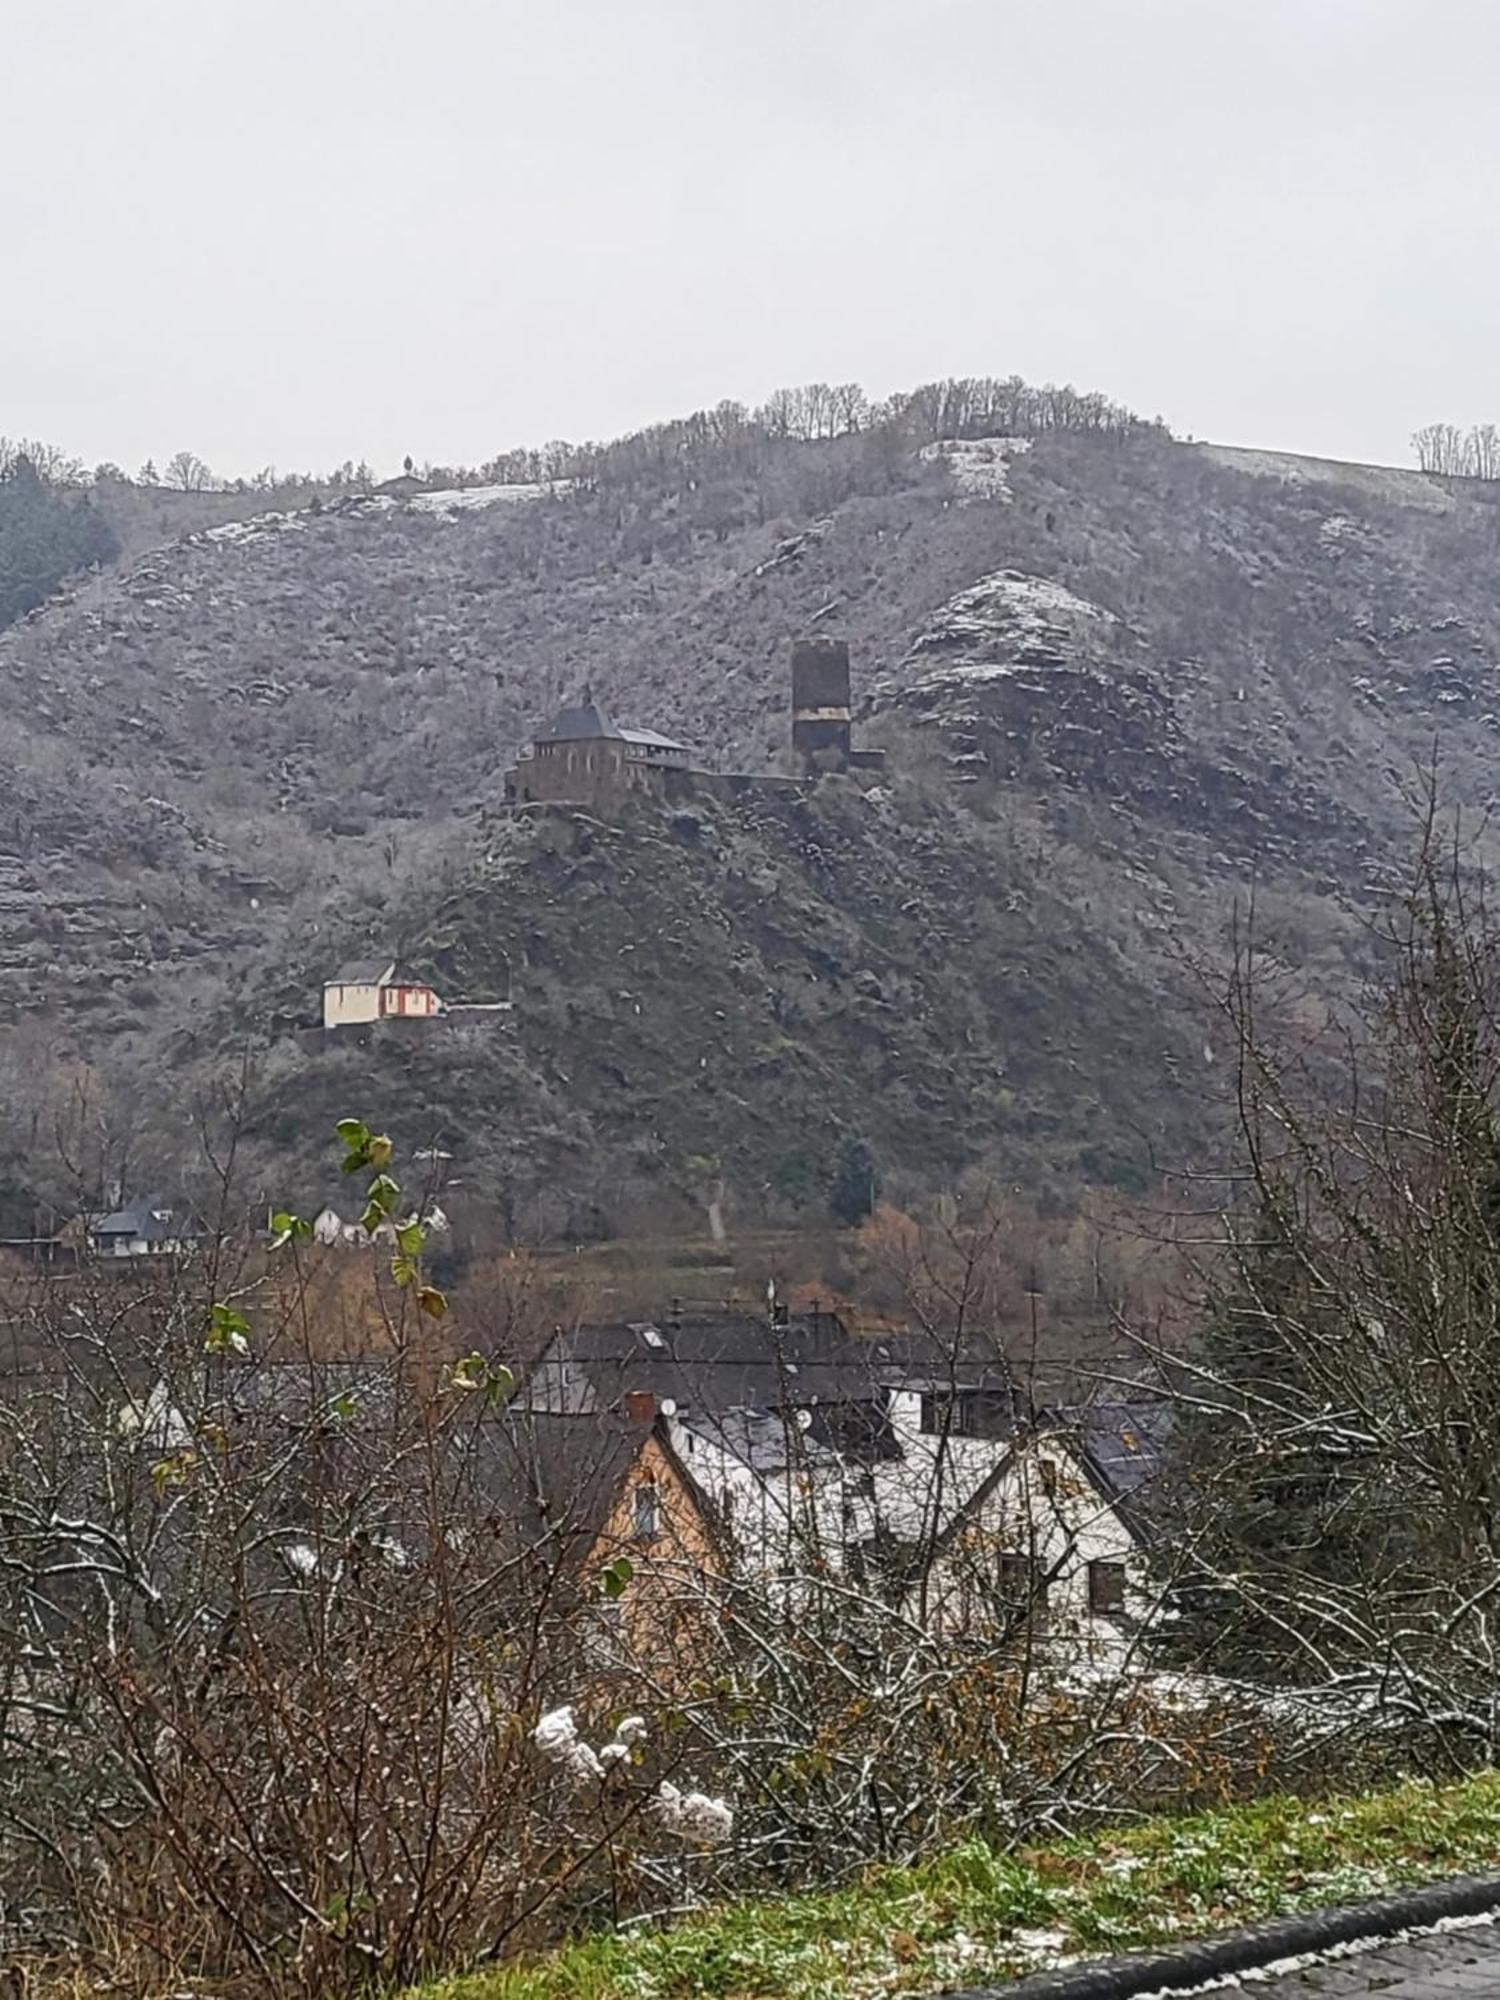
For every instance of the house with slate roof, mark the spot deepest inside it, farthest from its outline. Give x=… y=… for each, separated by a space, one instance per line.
x=154 y=1226
x=906 y=1464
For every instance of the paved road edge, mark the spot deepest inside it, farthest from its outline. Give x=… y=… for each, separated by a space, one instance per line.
x=1255 y=1945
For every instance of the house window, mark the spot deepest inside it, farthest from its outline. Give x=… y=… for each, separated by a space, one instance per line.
x=1106 y=1589
x=1048 y=1469
x=1021 y=1589
x=647 y=1511
x=976 y=1413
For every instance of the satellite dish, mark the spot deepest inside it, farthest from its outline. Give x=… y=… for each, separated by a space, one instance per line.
x=804 y=1420
x=669 y=1406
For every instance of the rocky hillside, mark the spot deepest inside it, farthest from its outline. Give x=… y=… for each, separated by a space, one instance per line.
x=1121 y=682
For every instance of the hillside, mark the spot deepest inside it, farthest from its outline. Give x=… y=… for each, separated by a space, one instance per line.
x=1121 y=681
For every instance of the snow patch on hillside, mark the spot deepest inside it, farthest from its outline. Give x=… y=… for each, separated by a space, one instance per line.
x=464 y=499
x=980 y=466
x=259 y=528
x=1006 y=623
x=364 y=506
x=1391 y=485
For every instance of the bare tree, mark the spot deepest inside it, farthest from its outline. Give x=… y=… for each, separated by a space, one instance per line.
x=188 y=472
x=1342 y=1460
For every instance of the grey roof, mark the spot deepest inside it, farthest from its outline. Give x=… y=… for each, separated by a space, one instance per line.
x=297 y=1390
x=766 y=1443
x=363 y=972
x=1124 y=1443
x=725 y=1361
x=576 y=725
x=554 y=1477
x=650 y=740
x=152 y=1217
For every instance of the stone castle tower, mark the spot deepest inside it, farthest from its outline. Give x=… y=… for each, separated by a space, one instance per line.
x=820 y=698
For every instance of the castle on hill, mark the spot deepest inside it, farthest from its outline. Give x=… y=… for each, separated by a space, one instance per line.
x=583 y=758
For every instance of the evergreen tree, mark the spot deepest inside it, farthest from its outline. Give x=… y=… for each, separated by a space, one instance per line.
x=852 y=1195
x=45 y=535
x=1335 y=1493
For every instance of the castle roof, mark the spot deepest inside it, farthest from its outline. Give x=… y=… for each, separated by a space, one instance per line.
x=651 y=739
x=587 y=721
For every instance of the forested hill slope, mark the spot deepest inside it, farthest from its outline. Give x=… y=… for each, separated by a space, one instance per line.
x=1121 y=680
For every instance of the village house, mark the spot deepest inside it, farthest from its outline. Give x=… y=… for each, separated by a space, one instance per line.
x=376 y=989
x=582 y=1495
x=555 y=1499
x=153 y=1226
x=894 y=1461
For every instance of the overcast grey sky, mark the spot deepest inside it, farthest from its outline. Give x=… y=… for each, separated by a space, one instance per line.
x=295 y=231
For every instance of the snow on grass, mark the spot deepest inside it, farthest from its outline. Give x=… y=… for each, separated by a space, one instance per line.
x=1394 y=485
x=363 y=506
x=259 y=528
x=465 y=499
x=980 y=466
x=981 y=1914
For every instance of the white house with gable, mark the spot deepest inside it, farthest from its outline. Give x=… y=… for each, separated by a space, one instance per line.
x=891 y=1463
x=376 y=989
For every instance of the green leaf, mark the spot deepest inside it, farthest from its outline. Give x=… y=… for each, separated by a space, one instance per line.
x=344 y=1406
x=285 y=1226
x=500 y=1383
x=379 y=1150
x=353 y=1132
x=468 y=1372
x=174 y=1471
x=228 y=1331
x=432 y=1302
x=383 y=1193
x=404 y=1270
x=615 y=1576
x=411 y=1239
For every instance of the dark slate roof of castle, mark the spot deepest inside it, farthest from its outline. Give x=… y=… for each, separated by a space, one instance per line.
x=651 y=739
x=585 y=723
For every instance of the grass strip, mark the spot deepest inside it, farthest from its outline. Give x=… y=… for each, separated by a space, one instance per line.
x=976 y=1914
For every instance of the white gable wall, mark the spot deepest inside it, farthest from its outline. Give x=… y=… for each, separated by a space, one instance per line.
x=345 y=1006
x=1043 y=1508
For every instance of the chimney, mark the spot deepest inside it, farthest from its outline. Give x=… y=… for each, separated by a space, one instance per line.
x=640 y=1406
x=820 y=698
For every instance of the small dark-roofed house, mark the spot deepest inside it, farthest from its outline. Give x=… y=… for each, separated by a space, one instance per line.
x=578 y=1491
x=405 y=486
x=154 y=1226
